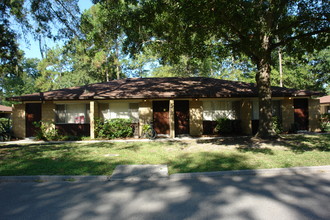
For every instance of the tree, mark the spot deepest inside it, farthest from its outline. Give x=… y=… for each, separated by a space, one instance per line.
x=253 y=28
x=56 y=19
x=21 y=81
x=310 y=71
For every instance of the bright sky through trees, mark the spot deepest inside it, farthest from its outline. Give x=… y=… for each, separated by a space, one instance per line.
x=31 y=48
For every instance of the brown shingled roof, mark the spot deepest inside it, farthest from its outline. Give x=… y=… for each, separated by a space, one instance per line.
x=172 y=87
x=325 y=99
x=5 y=108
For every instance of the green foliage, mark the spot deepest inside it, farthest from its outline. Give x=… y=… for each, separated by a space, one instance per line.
x=145 y=128
x=325 y=122
x=5 y=129
x=36 y=17
x=253 y=29
x=114 y=128
x=23 y=81
x=277 y=125
x=224 y=125
x=308 y=72
x=46 y=131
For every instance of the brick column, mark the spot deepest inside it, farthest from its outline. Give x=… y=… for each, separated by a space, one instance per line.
x=246 y=116
x=18 y=120
x=287 y=114
x=196 y=118
x=171 y=119
x=93 y=114
x=314 y=114
x=145 y=114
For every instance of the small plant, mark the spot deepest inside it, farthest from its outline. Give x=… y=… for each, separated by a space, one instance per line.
x=5 y=129
x=46 y=131
x=325 y=122
x=114 y=128
x=224 y=125
x=148 y=131
x=277 y=125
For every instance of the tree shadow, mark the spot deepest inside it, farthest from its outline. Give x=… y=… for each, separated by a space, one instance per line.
x=255 y=150
x=302 y=143
x=296 y=143
x=208 y=161
x=295 y=196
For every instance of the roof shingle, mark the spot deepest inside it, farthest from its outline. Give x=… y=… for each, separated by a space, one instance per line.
x=172 y=87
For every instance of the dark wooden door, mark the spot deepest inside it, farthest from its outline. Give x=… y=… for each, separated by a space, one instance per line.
x=161 y=117
x=181 y=109
x=301 y=113
x=33 y=114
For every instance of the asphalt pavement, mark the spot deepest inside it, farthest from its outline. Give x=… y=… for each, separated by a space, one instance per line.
x=242 y=195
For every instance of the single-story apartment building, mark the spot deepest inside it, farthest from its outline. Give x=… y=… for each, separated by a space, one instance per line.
x=325 y=104
x=176 y=106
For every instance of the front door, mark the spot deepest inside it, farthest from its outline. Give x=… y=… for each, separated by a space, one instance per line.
x=301 y=113
x=161 y=117
x=181 y=109
x=33 y=114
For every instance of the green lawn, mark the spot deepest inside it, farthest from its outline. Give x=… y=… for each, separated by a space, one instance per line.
x=180 y=156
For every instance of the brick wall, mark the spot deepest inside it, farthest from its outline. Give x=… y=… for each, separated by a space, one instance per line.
x=18 y=118
x=145 y=114
x=246 y=116
x=314 y=114
x=287 y=114
x=196 y=118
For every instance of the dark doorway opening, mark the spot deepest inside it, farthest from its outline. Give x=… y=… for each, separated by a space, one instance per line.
x=33 y=114
x=161 y=117
x=181 y=109
x=301 y=113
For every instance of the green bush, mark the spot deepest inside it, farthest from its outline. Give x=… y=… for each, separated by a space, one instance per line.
x=5 y=129
x=46 y=131
x=277 y=125
x=224 y=125
x=114 y=128
x=325 y=122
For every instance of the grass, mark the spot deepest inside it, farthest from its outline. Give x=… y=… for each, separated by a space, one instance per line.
x=180 y=156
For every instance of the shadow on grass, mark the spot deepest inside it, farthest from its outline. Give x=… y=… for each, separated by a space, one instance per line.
x=255 y=150
x=296 y=143
x=206 y=162
x=303 y=143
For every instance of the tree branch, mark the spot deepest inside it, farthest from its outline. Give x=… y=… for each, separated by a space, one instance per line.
x=299 y=36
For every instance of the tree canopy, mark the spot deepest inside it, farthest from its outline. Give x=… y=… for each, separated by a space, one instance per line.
x=229 y=39
x=253 y=28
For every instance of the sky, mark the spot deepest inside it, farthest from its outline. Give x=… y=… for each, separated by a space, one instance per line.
x=31 y=48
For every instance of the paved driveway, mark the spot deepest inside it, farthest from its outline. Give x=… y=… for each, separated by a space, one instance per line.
x=290 y=196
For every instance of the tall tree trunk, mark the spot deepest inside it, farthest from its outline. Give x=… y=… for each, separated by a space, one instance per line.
x=280 y=66
x=117 y=59
x=264 y=91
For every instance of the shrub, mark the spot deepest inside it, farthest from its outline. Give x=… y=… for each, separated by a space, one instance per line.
x=224 y=125
x=5 y=129
x=114 y=128
x=46 y=131
x=277 y=125
x=325 y=122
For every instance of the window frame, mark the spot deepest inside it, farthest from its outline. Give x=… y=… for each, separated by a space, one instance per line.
x=86 y=113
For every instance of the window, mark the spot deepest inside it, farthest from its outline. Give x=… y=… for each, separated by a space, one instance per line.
x=276 y=109
x=120 y=110
x=72 y=114
x=216 y=109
